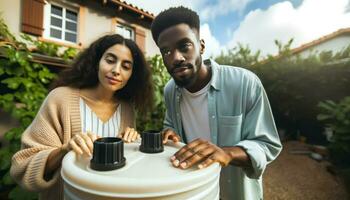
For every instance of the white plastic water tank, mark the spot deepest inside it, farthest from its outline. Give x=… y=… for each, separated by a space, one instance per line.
x=145 y=176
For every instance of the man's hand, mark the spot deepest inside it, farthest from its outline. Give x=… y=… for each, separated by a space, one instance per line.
x=200 y=152
x=169 y=134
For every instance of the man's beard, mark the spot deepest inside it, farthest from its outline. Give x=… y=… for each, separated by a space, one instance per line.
x=185 y=82
x=188 y=81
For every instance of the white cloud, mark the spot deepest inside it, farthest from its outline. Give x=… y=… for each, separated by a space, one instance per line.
x=311 y=20
x=212 y=44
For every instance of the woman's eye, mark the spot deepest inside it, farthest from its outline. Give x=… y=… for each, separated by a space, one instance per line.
x=110 y=61
x=127 y=66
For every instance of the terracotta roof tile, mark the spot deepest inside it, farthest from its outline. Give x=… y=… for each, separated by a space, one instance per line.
x=320 y=40
x=134 y=8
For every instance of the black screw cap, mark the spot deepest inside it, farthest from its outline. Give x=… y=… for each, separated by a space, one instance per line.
x=108 y=154
x=151 y=142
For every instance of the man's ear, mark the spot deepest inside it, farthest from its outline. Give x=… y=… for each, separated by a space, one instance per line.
x=202 y=46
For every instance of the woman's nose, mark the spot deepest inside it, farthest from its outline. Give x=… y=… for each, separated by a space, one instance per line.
x=116 y=69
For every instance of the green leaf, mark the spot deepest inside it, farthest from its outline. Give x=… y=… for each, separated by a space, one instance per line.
x=7 y=180
x=12 y=83
x=322 y=117
x=20 y=194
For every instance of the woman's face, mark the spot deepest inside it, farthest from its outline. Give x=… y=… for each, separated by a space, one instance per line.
x=115 y=67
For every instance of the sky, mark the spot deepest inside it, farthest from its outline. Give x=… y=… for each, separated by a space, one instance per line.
x=258 y=23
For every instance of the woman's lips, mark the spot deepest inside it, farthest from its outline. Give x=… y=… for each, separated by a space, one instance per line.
x=113 y=81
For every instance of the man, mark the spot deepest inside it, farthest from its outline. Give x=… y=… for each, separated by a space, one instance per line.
x=221 y=112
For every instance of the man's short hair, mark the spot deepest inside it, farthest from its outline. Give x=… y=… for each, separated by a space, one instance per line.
x=174 y=16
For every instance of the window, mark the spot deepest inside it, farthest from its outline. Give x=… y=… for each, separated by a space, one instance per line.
x=125 y=31
x=61 y=23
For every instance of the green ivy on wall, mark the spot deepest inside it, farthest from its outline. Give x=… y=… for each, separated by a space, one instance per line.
x=23 y=88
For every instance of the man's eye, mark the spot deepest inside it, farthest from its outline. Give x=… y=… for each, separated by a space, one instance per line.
x=166 y=52
x=185 y=46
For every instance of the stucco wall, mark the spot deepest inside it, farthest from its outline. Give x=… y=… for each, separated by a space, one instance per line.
x=10 y=11
x=151 y=47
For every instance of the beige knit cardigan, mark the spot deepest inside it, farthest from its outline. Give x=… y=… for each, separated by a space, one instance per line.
x=57 y=121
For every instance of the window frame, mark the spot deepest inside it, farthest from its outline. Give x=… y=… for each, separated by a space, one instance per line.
x=63 y=29
x=125 y=27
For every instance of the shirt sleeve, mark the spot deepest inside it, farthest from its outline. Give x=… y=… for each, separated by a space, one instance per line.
x=168 y=120
x=38 y=141
x=260 y=136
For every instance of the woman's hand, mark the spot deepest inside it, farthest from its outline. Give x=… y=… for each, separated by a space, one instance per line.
x=81 y=143
x=130 y=135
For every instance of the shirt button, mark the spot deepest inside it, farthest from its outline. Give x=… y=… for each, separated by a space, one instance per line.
x=213 y=116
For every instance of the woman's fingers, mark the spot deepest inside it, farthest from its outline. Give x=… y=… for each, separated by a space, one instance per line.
x=135 y=137
x=126 y=134
x=88 y=142
x=80 y=144
x=75 y=147
x=92 y=136
x=130 y=135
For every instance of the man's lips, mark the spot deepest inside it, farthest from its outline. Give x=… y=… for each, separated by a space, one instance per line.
x=180 y=69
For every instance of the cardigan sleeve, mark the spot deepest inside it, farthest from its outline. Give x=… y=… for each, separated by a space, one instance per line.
x=44 y=135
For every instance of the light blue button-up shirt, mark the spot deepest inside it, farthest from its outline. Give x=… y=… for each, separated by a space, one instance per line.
x=239 y=115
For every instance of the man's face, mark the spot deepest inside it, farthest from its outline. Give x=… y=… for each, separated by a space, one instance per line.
x=181 y=50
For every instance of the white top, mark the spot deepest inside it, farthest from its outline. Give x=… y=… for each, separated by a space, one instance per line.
x=91 y=123
x=194 y=113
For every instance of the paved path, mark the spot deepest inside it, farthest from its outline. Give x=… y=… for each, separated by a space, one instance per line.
x=294 y=177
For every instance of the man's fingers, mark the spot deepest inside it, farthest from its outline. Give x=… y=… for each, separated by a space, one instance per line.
x=196 y=150
x=175 y=138
x=207 y=162
x=193 y=158
x=165 y=136
x=170 y=135
x=189 y=146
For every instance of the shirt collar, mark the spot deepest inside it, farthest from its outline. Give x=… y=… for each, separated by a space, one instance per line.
x=214 y=82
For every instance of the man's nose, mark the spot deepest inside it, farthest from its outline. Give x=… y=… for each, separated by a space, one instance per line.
x=178 y=57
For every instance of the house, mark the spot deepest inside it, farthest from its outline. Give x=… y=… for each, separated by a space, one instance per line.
x=335 y=42
x=74 y=23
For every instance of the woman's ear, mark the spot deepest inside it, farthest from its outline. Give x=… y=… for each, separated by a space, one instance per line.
x=202 y=43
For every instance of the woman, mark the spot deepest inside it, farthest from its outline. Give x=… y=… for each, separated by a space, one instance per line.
x=95 y=98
